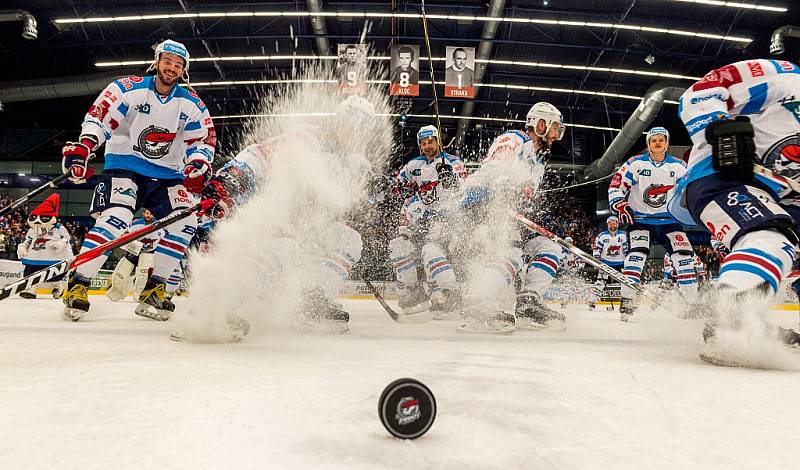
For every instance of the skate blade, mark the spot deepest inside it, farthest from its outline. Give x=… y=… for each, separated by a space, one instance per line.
x=178 y=337
x=148 y=311
x=323 y=327
x=415 y=318
x=441 y=315
x=487 y=328
x=719 y=361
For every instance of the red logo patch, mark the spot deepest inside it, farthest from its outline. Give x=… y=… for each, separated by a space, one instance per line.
x=722 y=77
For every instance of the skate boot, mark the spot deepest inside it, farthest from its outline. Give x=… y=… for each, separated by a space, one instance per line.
x=58 y=290
x=28 y=293
x=153 y=301
x=76 y=299
x=789 y=336
x=532 y=313
x=319 y=313
x=592 y=305
x=443 y=305
x=626 y=309
x=475 y=321
x=414 y=306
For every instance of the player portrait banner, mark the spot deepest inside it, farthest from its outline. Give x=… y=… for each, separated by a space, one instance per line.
x=459 y=76
x=404 y=79
x=351 y=69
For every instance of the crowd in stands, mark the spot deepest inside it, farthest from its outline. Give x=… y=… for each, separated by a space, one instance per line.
x=13 y=228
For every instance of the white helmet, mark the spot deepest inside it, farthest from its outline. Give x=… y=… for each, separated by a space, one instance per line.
x=568 y=240
x=173 y=47
x=358 y=109
x=427 y=131
x=657 y=131
x=549 y=114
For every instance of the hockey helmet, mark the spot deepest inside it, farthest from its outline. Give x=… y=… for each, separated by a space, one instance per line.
x=657 y=131
x=427 y=131
x=358 y=111
x=612 y=218
x=568 y=240
x=172 y=47
x=547 y=112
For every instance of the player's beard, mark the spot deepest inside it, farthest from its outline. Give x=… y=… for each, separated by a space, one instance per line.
x=166 y=80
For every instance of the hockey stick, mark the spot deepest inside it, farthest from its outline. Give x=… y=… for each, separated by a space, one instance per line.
x=611 y=272
x=771 y=175
x=50 y=184
x=395 y=316
x=59 y=269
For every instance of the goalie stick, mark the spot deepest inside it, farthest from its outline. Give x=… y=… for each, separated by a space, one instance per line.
x=47 y=274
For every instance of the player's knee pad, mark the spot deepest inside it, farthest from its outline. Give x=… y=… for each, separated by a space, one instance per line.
x=541 y=244
x=351 y=244
x=679 y=243
x=438 y=270
x=110 y=224
x=402 y=254
x=639 y=241
x=764 y=256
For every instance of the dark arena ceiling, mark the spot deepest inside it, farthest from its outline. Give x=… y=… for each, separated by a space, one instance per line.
x=593 y=59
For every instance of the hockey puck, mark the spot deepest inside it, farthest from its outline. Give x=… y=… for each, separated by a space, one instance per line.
x=407 y=408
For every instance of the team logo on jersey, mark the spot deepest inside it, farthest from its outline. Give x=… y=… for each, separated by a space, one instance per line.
x=154 y=142
x=656 y=194
x=784 y=156
x=39 y=244
x=427 y=193
x=794 y=108
x=614 y=250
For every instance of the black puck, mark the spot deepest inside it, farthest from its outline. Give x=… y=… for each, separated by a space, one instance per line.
x=407 y=408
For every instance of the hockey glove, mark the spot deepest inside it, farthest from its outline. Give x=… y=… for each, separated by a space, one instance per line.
x=75 y=160
x=56 y=245
x=215 y=200
x=733 y=151
x=197 y=174
x=22 y=251
x=447 y=178
x=622 y=211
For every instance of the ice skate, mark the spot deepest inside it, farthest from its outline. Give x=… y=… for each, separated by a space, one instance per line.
x=491 y=322
x=153 y=301
x=76 y=299
x=414 y=306
x=626 y=309
x=237 y=329
x=592 y=306
x=445 y=305
x=532 y=313
x=316 y=312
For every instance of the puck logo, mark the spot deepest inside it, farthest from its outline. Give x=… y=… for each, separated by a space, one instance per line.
x=407 y=408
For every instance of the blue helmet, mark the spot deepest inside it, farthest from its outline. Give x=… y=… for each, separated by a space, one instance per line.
x=657 y=131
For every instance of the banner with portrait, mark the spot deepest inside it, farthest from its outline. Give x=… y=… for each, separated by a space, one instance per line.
x=459 y=75
x=404 y=76
x=351 y=69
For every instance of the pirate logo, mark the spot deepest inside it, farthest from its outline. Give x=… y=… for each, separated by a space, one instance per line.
x=407 y=410
x=427 y=193
x=656 y=194
x=784 y=157
x=154 y=142
x=614 y=250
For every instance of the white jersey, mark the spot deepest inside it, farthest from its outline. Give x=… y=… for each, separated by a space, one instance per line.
x=148 y=134
x=699 y=266
x=40 y=250
x=421 y=170
x=570 y=262
x=146 y=244
x=668 y=270
x=766 y=91
x=415 y=215
x=648 y=186
x=611 y=248
x=512 y=161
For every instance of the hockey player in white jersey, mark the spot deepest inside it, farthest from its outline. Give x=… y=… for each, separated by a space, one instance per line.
x=46 y=243
x=513 y=166
x=436 y=175
x=610 y=247
x=740 y=114
x=638 y=196
x=159 y=144
x=325 y=271
x=133 y=269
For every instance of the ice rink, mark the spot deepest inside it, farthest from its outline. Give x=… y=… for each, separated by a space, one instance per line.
x=114 y=392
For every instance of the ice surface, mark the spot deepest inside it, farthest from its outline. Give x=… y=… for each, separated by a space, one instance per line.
x=114 y=392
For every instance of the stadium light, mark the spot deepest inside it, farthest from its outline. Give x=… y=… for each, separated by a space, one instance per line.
x=746 y=6
x=521 y=63
x=462 y=18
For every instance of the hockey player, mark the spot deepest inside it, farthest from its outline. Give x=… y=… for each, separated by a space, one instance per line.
x=242 y=177
x=46 y=243
x=435 y=175
x=609 y=247
x=740 y=114
x=700 y=271
x=569 y=267
x=513 y=166
x=638 y=196
x=133 y=269
x=160 y=143
x=669 y=275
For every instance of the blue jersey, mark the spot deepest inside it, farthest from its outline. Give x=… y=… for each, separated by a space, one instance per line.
x=149 y=134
